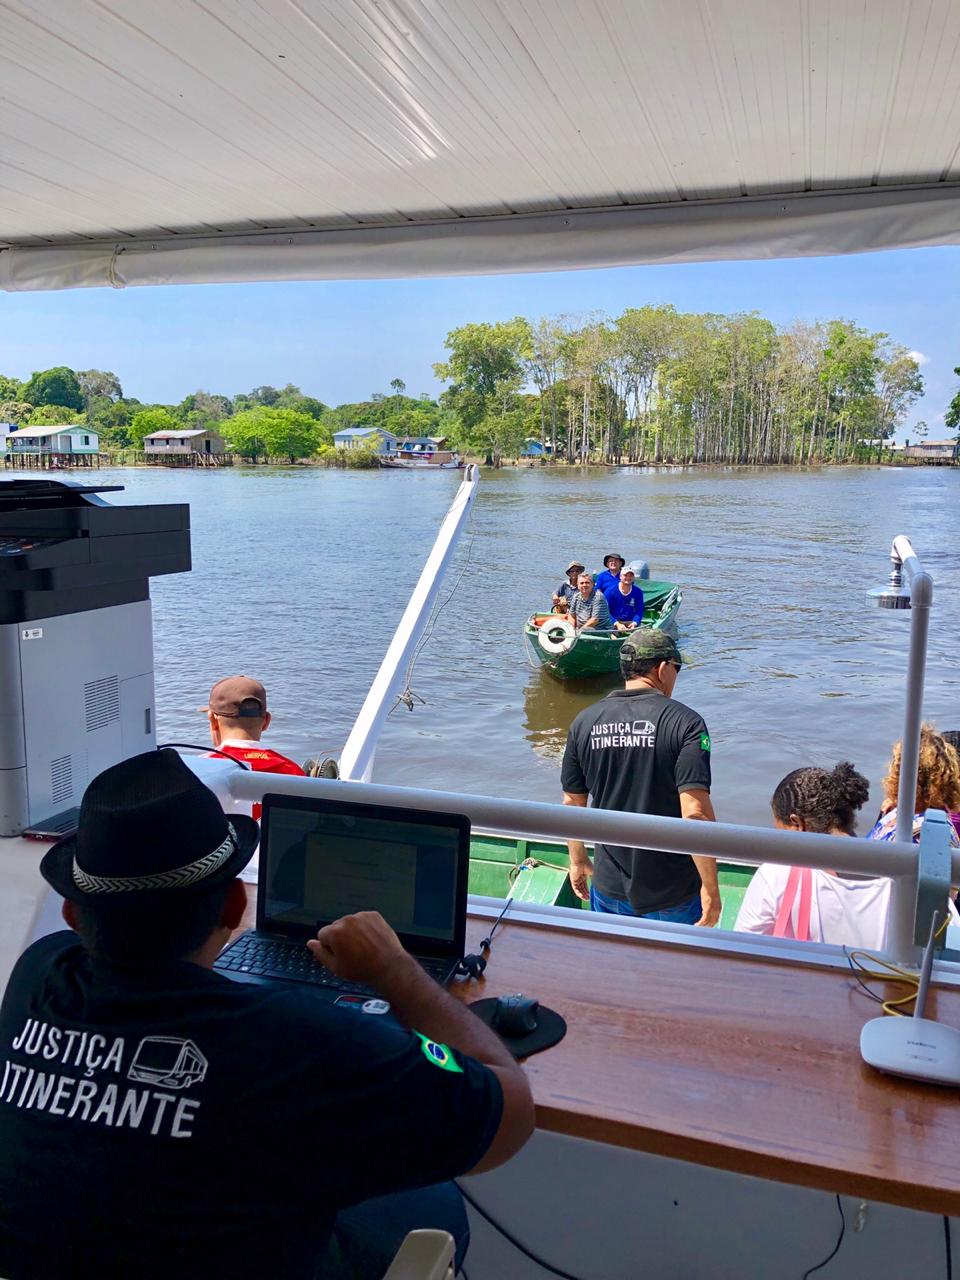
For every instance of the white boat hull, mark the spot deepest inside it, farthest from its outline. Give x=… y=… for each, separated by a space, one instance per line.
x=421 y=464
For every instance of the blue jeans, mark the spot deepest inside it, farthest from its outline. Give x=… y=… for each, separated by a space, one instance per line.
x=687 y=912
x=367 y=1235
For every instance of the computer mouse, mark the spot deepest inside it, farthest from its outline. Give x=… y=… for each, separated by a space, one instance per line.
x=516 y=1015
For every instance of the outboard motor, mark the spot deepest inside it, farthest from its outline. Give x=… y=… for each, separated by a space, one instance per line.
x=640 y=569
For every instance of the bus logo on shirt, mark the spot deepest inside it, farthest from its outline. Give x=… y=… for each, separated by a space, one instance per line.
x=167 y=1060
x=439 y=1055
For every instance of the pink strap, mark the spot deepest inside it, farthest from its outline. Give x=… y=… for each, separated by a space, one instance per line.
x=800 y=878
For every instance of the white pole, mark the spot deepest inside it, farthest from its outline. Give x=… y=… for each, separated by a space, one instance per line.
x=900 y=919
x=635 y=830
x=356 y=759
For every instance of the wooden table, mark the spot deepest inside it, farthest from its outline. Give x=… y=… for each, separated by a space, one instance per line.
x=737 y=1063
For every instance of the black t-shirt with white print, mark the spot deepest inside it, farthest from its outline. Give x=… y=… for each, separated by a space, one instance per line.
x=635 y=751
x=161 y=1120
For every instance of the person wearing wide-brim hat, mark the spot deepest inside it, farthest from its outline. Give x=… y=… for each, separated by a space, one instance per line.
x=185 y=1124
x=149 y=830
x=567 y=590
x=609 y=575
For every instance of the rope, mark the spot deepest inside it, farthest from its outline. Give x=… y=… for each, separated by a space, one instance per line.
x=406 y=696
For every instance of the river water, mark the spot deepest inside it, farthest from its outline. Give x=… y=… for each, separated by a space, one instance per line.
x=300 y=576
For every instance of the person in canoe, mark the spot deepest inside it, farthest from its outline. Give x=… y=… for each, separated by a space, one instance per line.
x=609 y=576
x=625 y=601
x=567 y=590
x=589 y=607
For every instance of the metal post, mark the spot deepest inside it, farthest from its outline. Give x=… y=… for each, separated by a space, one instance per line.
x=900 y=921
x=356 y=759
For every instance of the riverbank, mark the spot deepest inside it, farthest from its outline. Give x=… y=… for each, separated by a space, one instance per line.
x=134 y=460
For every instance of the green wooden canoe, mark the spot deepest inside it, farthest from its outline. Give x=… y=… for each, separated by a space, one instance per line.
x=596 y=653
x=538 y=870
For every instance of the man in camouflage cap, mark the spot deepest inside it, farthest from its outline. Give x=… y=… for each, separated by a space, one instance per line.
x=639 y=751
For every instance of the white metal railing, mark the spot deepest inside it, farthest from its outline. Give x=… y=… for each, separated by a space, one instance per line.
x=569 y=822
x=898 y=861
x=356 y=759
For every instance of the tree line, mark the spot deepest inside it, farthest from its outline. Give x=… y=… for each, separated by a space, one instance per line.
x=656 y=384
x=651 y=385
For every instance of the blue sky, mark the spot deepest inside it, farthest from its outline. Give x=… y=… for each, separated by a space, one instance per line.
x=340 y=341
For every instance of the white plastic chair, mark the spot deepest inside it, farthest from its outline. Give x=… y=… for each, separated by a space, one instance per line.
x=424 y=1255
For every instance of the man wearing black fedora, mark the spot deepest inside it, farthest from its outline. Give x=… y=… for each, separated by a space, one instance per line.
x=157 y=1119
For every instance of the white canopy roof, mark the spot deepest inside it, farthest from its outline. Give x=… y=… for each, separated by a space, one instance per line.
x=289 y=139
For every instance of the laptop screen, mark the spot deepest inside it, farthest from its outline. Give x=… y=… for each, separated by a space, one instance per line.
x=323 y=859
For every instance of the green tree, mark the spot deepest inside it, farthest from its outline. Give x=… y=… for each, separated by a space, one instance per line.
x=263 y=395
x=97 y=384
x=274 y=433
x=112 y=418
x=203 y=411
x=10 y=388
x=952 y=417
x=899 y=383
x=55 y=386
x=15 y=411
x=486 y=371
x=291 y=397
x=150 y=420
x=52 y=415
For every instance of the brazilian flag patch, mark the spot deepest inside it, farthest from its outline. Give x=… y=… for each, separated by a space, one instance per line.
x=439 y=1055
x=704 y=742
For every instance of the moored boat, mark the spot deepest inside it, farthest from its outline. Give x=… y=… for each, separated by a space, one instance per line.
x=442 y=460
x=535 y=871
x=422 y=453
x=569 y=654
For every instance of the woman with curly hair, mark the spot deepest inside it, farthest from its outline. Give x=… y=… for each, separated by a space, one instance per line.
x=938 y=785
x=952 y=738
x=809 y=905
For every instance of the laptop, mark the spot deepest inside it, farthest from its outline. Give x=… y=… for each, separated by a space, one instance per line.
x=323 y=859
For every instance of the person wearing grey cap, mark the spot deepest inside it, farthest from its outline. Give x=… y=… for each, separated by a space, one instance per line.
x=567 y=590
x=638 y=750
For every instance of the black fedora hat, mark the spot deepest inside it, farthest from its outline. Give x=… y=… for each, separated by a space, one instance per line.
x=149 y=827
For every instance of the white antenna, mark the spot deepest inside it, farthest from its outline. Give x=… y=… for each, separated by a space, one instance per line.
x=926 y=968
x=918 y=1047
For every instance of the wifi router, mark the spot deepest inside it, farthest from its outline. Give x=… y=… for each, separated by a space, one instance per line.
x=918 y=1048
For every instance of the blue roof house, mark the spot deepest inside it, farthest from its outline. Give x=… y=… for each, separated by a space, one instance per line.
x=364 y=437
x=532 y=448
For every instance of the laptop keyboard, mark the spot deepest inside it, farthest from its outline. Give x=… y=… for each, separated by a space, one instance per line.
x=268 y=959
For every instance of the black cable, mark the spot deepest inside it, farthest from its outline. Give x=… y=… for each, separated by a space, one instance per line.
x=207 y=751
x=948 y=1246
x=859 y=980
x=836 y=1248
x=521 y=1248
x=485 y=942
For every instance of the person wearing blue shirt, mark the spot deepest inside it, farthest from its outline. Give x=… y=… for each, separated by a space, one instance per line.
x=609 y=576
x=625 y=600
